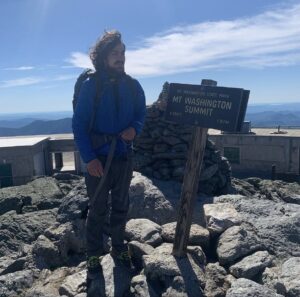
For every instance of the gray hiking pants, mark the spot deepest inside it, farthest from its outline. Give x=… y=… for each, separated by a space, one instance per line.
x=117 y=182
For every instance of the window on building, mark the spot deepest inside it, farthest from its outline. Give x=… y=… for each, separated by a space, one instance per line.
x=232 y=154
x=5 y=175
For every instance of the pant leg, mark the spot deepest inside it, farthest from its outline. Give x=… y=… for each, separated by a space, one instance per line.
x=96 y=215
x=122 y=174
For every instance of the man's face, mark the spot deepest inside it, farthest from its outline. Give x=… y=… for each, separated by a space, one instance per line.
x=115 y=59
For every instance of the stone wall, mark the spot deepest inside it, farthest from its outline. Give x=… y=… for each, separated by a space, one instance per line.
x=161 y=151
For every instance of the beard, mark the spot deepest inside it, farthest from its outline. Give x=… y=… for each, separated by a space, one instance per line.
x=116 y=71
x=119 y=67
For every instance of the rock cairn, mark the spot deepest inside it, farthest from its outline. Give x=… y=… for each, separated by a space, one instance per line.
x=161 y=152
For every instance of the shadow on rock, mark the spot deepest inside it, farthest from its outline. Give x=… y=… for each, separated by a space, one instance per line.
x=191 y=284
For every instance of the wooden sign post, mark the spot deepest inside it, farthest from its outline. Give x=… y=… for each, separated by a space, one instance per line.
x=206 y=106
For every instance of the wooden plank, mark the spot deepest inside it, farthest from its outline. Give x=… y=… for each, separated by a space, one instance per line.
x=189 y=190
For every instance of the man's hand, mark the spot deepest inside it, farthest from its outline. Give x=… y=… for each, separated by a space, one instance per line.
x=128 y=134
x=95 y=168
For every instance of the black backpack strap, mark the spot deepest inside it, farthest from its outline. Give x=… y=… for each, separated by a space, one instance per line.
x=81 y=78
x=133 y=87
x=97 y=99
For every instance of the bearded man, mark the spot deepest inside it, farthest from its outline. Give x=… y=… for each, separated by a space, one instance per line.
x=109 y=114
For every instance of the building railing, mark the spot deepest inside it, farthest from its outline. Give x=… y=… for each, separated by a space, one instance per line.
x=276 y=127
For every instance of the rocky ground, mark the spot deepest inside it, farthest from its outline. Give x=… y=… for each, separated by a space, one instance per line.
x=243 y=244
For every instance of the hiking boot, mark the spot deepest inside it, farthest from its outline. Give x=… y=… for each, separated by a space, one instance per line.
x=95 y=287
x=122 y=255
x=93 y=265
x=94 y=279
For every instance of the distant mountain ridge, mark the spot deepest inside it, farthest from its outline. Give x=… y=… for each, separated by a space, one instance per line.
x=260 y=115
x=51 y=115
x=17 y=123
x=273 y=118
x=275 y=107
x=39 y=127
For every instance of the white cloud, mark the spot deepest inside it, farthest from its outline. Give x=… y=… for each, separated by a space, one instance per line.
x=21 y=68
x=266 y=40
x=25 y=81
x=69 y=66
x=47 y=87
x=64 y=77
x=80 y=60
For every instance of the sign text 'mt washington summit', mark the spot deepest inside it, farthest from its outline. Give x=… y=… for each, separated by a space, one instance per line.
x=214 y=107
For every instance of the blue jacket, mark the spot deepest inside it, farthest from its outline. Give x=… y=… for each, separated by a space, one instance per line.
x=109 y=119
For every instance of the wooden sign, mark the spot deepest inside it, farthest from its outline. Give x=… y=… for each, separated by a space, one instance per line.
x=207 y=106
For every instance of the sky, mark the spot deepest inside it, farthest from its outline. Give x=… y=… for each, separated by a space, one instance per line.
x=253 y=45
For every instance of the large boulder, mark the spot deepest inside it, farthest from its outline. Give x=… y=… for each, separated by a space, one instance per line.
x=275 y=190
x=279 y=191
x=74 y=205
x=244 y=187
x=276 y=224
x=140 y=288
x=198 y=234
x=42 y=193
x=14 y=283
x=237 y=242
x=220 y=217
x=73 y=284
x=251 y=265
x=178 y=288
x=67 y=181
x=59 y=244
x=117 y=277
x=194 y=251
x=290 y=277
x=143 y=230
x=159 y=201
x=137 y=251
x=147 y=201
x=18 y=229
x=243 y=287
x=162 y=267
x=46 y=253
x=270 y=278
x=11 y=263
x=68 y=237
x=155 y=200
x=217 y=280
x=48 y=282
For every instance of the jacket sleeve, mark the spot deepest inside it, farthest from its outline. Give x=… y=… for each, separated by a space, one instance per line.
x=81 y=120
x=140 y=110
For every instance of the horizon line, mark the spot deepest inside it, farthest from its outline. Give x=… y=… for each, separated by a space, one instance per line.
x=71 y=111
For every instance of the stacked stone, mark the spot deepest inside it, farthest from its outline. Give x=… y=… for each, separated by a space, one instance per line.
x=161 y=152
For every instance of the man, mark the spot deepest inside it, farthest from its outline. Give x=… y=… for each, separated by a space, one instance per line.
x=119 y=112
